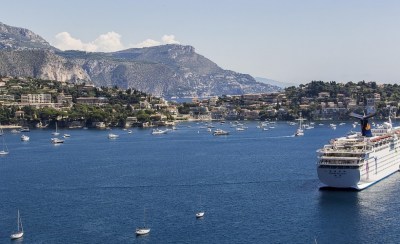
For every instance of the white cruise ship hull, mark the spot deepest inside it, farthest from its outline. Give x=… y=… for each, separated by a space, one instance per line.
x=339 y=178
x=370 y=172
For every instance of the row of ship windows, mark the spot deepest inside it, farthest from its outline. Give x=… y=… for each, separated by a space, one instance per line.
x=339 y=162
x=337 y=167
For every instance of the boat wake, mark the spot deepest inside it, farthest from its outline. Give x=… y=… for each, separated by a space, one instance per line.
x=276 y=137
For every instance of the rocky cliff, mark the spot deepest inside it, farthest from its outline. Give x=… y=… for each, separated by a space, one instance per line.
x=41 y=64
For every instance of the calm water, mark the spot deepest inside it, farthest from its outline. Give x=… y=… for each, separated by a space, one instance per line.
x=255 y=187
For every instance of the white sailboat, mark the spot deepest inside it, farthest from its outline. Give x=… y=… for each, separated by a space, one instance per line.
x=20 y=231
x=143 y=230
x=299 y=131
x=200 y=214
x=4 y=151
x=56 y=133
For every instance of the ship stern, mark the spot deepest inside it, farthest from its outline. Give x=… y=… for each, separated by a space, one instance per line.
x=339 y=177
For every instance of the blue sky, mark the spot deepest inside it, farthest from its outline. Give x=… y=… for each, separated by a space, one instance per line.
x=285 y=40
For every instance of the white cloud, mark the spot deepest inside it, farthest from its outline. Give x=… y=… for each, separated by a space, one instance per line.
x=65 y=41
x=109 y=42
x=147 y=43
x=169 y=39
x=165 y=39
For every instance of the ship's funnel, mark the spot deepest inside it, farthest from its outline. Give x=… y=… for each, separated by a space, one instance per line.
x=365 y=126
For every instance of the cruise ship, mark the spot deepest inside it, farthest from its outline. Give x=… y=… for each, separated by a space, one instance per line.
x=360 y=160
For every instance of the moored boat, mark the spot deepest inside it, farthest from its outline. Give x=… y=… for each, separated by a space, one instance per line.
x=4 y=151
x=143 y=230
x=112 y=136
x=158 y=131
x=219 y=132
x=300 y=131
x=200 y=214
x=56 y=140
x=20 y=229
x=24 y=138
x=25 y=129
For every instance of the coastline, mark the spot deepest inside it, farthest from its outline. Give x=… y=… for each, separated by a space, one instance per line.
x=11 y=126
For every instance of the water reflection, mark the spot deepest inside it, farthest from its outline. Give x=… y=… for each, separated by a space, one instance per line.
x=357 y=216
x=339 y=216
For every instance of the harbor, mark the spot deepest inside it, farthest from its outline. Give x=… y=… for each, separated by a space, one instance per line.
x=92 y=189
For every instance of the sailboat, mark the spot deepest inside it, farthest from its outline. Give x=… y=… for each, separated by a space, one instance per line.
x=4 y=151
x=200 y=214
x=56 y=133
x=143 y=230
x=20 y=231
x=300 y=131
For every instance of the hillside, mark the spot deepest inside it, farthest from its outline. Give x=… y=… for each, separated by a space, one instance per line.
x=167 y=70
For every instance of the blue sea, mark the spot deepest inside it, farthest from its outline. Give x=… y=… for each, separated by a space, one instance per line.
x=255 y=186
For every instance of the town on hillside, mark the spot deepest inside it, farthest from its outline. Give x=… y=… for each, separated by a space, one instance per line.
x=41 y=103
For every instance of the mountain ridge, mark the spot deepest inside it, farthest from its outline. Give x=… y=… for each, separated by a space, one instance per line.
x=166 y=70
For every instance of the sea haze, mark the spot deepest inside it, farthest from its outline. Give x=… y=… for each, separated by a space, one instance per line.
x=255 y=186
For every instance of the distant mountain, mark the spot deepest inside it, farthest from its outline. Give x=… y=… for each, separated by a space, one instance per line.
x=42 y=64
x=168 y=70
x=15 y=38
x=274 y=82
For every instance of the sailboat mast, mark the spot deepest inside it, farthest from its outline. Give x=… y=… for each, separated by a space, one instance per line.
x=18 y=220
x=144 y=217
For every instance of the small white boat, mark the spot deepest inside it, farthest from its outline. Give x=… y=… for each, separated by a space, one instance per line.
x=219 y=132
x=24 y=138
x=239 y=129
x=5 y=148
x=129 y=132
x=143 y=230
x=25 y=129
x=66 y=135
x=158 y=132
x=56 y=141
x=20 y=231
x=299 y=131
x=112 y=136
x=200 y=214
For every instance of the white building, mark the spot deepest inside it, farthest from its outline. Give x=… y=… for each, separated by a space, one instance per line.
x=35 y=98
